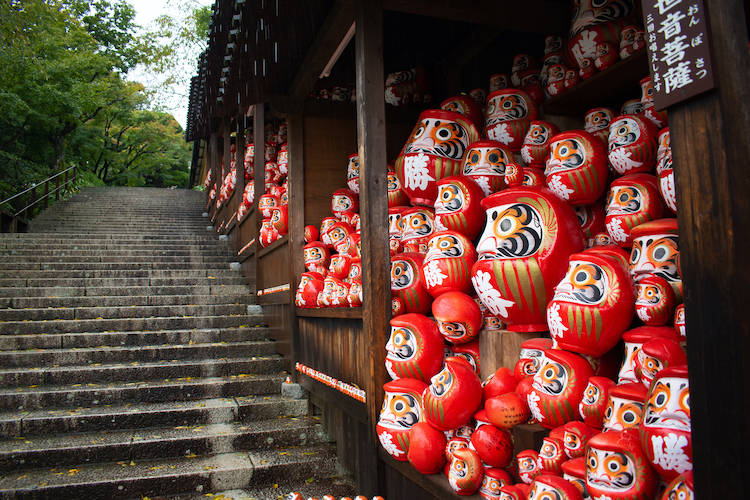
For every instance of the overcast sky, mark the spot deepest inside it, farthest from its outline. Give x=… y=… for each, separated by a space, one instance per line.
x=146 y=12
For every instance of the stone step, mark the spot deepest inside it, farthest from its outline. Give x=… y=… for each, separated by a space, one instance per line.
x=123 y=324
x=139 y=415
x=68 y=450
x=97 y=374
x=114 y=266
x=152 y=478
x=118 y=282
x=69 y=237
x=72 y=313
x=336 y=486
x=120 y=273
x=214 y=287
x=119 y=251
x=123 y=301
x=121 y=339
x=197 y=258
x=19 y=247
x=132 y=354
x=29 y=398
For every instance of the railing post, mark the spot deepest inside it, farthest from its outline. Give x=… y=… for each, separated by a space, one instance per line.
x=31 y=205
x=66 y=179
x=46 y=194
x=57 y=188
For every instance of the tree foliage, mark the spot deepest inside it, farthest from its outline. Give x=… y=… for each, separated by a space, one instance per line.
x=63 y=98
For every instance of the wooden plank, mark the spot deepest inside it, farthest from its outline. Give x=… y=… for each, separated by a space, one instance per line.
x=534 y=16
x=330 y=312
x=347 y=404
x=335 y=27
x=709 y=152
x=371 y=145
x=259 y=179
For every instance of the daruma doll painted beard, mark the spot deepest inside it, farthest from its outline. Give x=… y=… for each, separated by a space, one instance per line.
x=593 y=305
x=402 y=408
x=458 y=206
x=484 y=162
x=632 y=200
x=577 y=167
x=557 y=388
x=414 y=349
x=509 y=115
x=434 y=150
x=617 y=468
x=406 y=282
x=536 y=143
x=523 y=253
x=447 y=264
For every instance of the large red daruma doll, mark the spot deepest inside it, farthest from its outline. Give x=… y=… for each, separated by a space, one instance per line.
x=509 y=115
x=593 y=305
x=523 y=253
x=415 y=348
x=402 y=408
x=434 y=150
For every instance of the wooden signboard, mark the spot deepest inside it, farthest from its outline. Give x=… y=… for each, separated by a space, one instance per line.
x=677 y=39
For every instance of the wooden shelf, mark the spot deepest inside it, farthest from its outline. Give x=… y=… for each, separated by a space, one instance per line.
x=610 y=87
x=247 y=216
x=330 y=312
x=273 y=246
x=345 y=403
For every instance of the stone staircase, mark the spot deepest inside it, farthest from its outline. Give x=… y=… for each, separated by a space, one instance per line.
x=133 y=363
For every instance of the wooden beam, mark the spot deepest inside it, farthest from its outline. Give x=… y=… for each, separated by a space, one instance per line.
x=534 y=16
x=710 y=155
x=335 y=27
x=371 y=146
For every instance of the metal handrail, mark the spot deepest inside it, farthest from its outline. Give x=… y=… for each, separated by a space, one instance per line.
x=34 y=185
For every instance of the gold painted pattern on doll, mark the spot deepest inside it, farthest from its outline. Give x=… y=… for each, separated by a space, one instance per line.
x=402 y=345
x=402 y=274
x=596 y=120
x=590 y=12
x=610 y=470
x=551 y=379
x=440 y=138
x=669 y=405
x=456 y=106
x=506 y=107
x=512 y=231
x=584 y=283
x=450 y=199
x=624 y=200
x=488 y=161
x=655 y=256
x=400 y=411
x=565 y=155
x=625 y=131
x=441 y=383
x=444 y=246
x=622 y=414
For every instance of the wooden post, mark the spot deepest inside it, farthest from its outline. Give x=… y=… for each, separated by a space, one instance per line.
x=371 y=145
x=57 y=188
x=296 y=190
x=30 y=211
x=259 y=165
x=214 y=164
x=710 y=155
x=46 y=194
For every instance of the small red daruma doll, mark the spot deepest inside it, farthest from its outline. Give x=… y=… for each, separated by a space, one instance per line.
x=625 y=408
x=591 y=218
x=632 y=144
x=417 y=225
x=617 y=468
x=484 y=162
x=523 y=254
x=509 y=114
x=434 y=150
x=344 y=200
x=658 y=118
x=325 y=225
x=499 y=81
x=396 y=195
x=547 y=487
x=317 y=257
x=466 y=106
x=494 y=479
x=557 y=388
x=311 y=233
x=530 y=359
x=457 y=206
x=268 y=233
x=552 y=455
x=577 y=167
x=266 y=204
x=280 y=219
x=458 y=317
x=339 y=266
x=394 y=229
x=465 y=472
x=606 y=55
x=414 y=349
x=655 y=355
x=596 y=122
x=634 y=340
x=654 y=253
x=574 y=471
x=665 y=431
x=453 y=397
x=447 y=263
x=555 y=79
x=656 y=302
x=576 y=436
x=537 y=142
x=402 y=408
x=352 y=172
x=338 y=235
x=310 y=285
x=632 y=200
x=594 y=401
x=528 y=465
x=354 y=297
x=593 y=305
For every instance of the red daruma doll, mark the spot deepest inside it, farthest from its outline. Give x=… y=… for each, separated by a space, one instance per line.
x=509 y=115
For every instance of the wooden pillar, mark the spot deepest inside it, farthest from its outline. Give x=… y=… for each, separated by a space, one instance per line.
x=259 y=166
x=710 y=153
x=240 y=155
x=214 y=163
x=226 y=127
x=296 y=190
x=371 y=145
